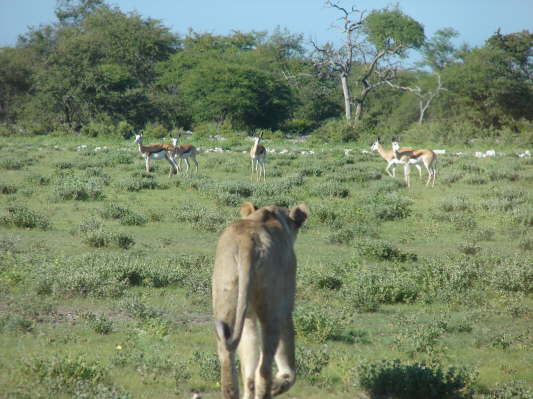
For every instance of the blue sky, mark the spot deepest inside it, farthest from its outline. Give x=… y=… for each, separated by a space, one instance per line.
x=475 y=20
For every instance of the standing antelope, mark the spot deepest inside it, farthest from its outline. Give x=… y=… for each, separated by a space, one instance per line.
x=184 y=152
x=156 y=151
x=258 y=155
x=392 y=160
x=416 y=157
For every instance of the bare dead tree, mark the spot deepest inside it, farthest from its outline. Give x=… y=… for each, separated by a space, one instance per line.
x=371 y=58
x=341 y=60
x=424 y=98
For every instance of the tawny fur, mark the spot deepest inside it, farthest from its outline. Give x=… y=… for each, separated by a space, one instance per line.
x=392 y=161
x=254 y=280
x=184 y=152
x=156 y=151
x=415 y=157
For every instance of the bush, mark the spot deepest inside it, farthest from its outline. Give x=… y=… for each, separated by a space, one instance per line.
x=511 y=390
x=22 y=216
x=382 y=250
x=331 y=189
x=315 y=325
x=310 y=363
x=15 y=163
x=7 y=188
x=73 y=188
x=390 y=206
x=62 y=373
x=415 y=380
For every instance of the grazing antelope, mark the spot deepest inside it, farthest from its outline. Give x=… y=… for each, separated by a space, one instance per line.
x=416 y=157
x=392 y=161
x=184 y=152
x=258 y=155
x=156 y=151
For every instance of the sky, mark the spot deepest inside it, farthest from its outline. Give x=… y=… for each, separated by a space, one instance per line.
x=475 y=20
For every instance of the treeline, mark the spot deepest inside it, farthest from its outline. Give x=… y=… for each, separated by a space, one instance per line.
x=100 y=71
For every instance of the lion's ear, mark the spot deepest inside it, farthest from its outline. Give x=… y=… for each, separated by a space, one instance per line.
x=247 y=208
x=299 y=214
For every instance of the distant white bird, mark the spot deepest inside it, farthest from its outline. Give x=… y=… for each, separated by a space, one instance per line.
x=196 y=395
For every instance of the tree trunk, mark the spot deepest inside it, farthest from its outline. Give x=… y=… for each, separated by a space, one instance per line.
x=346 y=93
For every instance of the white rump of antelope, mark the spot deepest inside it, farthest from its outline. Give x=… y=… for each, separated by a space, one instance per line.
x=254 y=279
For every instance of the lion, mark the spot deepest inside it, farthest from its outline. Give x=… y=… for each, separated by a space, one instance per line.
x=254 y=279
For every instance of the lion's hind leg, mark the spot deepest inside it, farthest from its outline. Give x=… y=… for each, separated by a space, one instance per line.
x=248 y=351
x=228 y=372
x=285 y=360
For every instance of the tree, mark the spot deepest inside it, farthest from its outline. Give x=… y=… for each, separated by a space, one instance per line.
x=372 y=42
x=425 y=97
x=247 y=96
x=439 y=51
x=488 y=89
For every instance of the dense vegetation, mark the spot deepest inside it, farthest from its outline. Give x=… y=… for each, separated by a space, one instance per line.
x=105 y=271
x=100 y=71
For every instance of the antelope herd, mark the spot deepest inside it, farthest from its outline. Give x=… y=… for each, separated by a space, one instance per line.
x=405 y=156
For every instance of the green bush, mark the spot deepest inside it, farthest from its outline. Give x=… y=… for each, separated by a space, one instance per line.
x=515 y=389
x=7 y=188
x=415 y=380
x=62 y=373
x=315 y=325
x=15 y=163
x=389 y=206
x=24 y=217
x=382 y=250
x=208 y=365
x=74 y=188
x=330 y=190
x=310 y=363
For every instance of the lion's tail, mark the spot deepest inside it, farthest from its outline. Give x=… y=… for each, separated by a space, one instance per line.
x=224 y=331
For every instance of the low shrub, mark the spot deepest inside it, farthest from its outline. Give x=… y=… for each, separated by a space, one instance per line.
x=208 y=365
x=201 y=218
x=310 y=363
x=74 y=188
x=15 y=163
x=7 y=188
x=62 y=372
x=24 y=217
x=331 y=189
x=315 y=324
x=415 y=380
x=382 y=250
x=515 y=389
x=389 y=206
x=100 y=324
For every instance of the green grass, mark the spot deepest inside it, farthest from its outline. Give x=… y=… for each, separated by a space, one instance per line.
x=437 y=275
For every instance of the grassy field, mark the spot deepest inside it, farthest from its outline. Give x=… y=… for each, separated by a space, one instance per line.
x=105 y=271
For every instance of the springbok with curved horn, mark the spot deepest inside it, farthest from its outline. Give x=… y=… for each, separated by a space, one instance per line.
x=156 y=151
x=258 y=154
x=388 y=155
x=184 y=151
x=416 y=157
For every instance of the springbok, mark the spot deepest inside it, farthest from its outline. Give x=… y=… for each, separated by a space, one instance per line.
x=184 y=152
x=258 y=155
x=392 y=161
x=416 y=157
x=156 y=151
